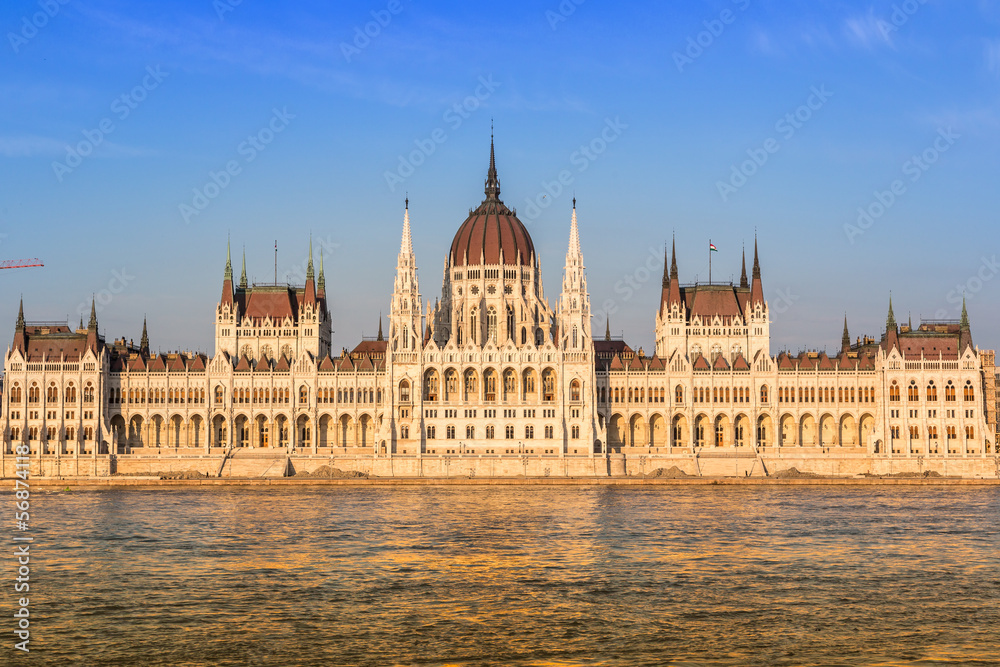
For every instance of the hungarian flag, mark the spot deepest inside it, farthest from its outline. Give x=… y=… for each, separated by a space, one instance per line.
x=712 y=248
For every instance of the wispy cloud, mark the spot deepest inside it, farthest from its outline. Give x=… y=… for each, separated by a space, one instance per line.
x=868 y=31
x=992 y=55
x=29 y=145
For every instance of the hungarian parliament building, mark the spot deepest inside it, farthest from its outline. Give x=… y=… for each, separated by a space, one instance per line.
x=493 y=371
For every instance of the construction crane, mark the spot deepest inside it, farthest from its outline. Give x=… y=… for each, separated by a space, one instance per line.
x=20 y=263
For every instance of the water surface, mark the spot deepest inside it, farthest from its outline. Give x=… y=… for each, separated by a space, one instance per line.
x=516 y=576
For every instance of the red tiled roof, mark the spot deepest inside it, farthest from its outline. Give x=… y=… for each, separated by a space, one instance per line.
x=931 y=346
x=263 y=365
x=701 y=364
x=616 y=364
x=741 y=363
x=282 y=364
x=270 y=302
x=243 y=364
x=326 y=364
x=720 y=364
x=490 y=229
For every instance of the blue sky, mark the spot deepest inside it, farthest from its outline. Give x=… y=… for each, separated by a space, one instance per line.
x=705 y=120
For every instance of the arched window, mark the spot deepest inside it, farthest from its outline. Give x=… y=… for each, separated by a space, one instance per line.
x=451 y=385
x=491 y=324
x=524 y=336
x=510 y=322
x=303 y=395
x=15 y=394
x=574 y=390
x=219 y=394
x=969 y=394
x=470 y=432
x=912 y=393
x=931 y=391
x=406 y=337
x=473 y=326
x=33 y=393
x=431 y=385
x=894 y=392
x=529 y=382
x=471 y=385
x=763 y=393
x=949 y=392
x=490 y=384
x=52 y=394
x=404 y=391
x=509 y=385
x=575 y=333
x=70 y=394
x=679 y=394
x=548 y=385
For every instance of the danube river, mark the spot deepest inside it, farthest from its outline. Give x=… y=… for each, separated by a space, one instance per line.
x=514 y=576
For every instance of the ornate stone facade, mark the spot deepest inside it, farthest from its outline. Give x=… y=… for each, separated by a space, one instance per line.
x=494 y=377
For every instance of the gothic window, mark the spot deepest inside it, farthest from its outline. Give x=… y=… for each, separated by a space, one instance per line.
x=247 y=351
x=451 y=385
x=575 y=433
x=52 y=394
x=491 y=324
x=912 y=393
x=473 y=328
x=529 y=432
x=15 y=394
x=509 y=432
x=575 y=337
x=548 y=385
x=524 y=336
x=538 y=337
x=574 y=390
x=265 y=352
x=406 y=337
x=219 y=394
x=968 y=393
x=471 y=385
x=679 y=395
x=949 y=392
x=431 y=384
x=303 y=395
x=894 y=392
x=490 y=384
x=470 y=432
x=510 y=322
x=763 y=393
x=450 y=432
x=931 y=391
x=529 y=382
x=490 y=432
x=509 y=385
x=286 y=351
x=404 y=432
x=404 y=391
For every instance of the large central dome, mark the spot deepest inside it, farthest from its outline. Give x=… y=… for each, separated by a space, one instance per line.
x=492 y=230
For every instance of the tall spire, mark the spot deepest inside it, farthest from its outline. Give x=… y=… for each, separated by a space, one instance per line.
x=666 y=268
x=243 y=273
x=321 y=284
x=310 y=274
x=20 y=315
x=144 y=341
x=965 y=333
x=92 y=325
x=574 y=234
x=607 y=327
x=406 y=245
x=673 y=259
x=965 y=315
x=229 y=264
x=756 y=261
x=890 y=321
x=845 y=340
x=380 y=336
x=743 y=273
x=492 y=181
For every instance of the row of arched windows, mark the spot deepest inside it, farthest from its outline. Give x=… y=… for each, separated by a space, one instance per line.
x=467 y=386
x=931 y=392
x=69 y=394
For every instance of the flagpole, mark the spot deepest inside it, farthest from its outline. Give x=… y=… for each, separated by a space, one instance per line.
x=710 y=261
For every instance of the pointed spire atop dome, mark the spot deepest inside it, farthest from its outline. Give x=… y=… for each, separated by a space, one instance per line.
x=743 y=274
x=492 y=181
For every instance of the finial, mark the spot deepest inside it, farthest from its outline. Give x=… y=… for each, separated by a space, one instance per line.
x=243 y=273
x=229 y=263
x=20 y=315
x=380 y=337
x=607 y=328
x=93 y=314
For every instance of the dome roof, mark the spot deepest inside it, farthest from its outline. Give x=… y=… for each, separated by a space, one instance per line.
x=490 y=230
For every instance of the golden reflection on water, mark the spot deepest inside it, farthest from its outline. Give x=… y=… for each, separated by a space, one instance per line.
x=517 y=575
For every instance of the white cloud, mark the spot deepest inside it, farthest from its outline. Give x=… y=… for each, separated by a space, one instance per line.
x=869 y=31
